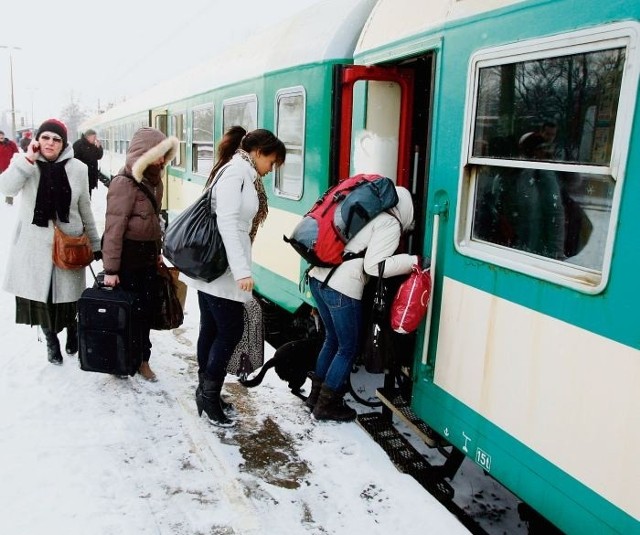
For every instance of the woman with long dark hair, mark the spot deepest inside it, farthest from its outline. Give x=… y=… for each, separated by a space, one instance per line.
x=240 y=203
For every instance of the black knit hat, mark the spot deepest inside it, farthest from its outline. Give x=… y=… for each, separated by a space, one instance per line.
x=55 y=126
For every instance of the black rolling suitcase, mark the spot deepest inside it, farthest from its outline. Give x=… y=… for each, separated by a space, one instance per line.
x=109 y=331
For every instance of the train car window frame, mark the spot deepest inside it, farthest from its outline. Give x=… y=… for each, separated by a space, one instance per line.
x=248 y=103
x=604 y=177
x=202 y=144
x=289 y=178
x=178 y=126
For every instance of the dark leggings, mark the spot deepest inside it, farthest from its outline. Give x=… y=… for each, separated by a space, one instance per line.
x=221 y=328
x=143 y=282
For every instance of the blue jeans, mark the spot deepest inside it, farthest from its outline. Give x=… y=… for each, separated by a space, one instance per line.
x=221 y=328
x=342 y=319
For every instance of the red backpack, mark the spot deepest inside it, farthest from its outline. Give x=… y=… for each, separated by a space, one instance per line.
x=338 y=215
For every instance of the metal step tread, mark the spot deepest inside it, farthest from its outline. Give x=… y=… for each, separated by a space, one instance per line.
x=392 y=399
x=409 y=461
x=400 y=451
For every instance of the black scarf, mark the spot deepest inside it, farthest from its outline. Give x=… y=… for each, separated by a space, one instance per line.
x=54 y=194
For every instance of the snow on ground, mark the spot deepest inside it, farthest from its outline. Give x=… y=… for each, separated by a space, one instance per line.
x=88 y=453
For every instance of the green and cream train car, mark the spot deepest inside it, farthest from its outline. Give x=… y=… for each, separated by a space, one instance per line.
x=515 y=124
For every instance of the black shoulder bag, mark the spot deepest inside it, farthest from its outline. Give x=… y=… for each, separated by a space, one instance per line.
x=192 y=242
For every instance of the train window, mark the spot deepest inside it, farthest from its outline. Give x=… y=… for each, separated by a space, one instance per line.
x=240 y=111
x=570 y=101
x=202 y=140
x=179 y=129
x=161 y=122
x=290 y=128
x=545 y=152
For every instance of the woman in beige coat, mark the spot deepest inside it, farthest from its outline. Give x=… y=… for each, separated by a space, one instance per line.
x=339 y=302
x=54 y=189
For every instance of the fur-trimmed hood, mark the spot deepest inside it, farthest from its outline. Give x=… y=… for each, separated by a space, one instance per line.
x=147 y=145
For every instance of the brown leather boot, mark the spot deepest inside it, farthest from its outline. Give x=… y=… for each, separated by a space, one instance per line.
x=312 y=398
x=331 y=406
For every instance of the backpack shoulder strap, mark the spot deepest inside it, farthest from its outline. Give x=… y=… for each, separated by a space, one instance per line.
x=345 y=258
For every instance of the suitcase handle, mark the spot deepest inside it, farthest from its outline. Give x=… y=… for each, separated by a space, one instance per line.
x=99 y=281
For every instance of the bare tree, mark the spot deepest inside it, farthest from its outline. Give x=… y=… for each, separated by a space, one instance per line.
x=73 y=115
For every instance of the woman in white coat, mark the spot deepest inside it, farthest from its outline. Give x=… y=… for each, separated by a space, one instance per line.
x=339 y=303
x=54 y=189
x=240 y=203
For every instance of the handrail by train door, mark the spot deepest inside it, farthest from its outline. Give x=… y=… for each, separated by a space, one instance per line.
x=440 y=209
x=405 y=79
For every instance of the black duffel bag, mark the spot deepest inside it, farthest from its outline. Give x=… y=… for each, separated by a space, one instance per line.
x=193 y=243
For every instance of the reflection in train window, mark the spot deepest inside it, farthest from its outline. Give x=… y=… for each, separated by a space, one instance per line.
x=571 y=101
x=563 y=216
x=543 y=161
x=290 y=128
x=202 y=152
x=179 y=129
x=240 y=111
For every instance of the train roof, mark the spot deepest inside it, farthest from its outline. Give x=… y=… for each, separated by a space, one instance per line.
x=392 y=21
x=325 y=31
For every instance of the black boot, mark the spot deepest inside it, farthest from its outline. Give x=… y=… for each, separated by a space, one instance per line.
x=312 y=398
x=54 y=356
x=226 y=406
x=208 y=400
x=331 y=406
x=71 y=346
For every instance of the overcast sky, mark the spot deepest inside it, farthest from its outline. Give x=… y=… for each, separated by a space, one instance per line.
x=98 y=53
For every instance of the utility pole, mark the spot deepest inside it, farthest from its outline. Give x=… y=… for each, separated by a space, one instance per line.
x=13 y=106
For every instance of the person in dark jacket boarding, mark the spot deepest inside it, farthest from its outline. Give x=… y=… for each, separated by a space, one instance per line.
x=133 y=234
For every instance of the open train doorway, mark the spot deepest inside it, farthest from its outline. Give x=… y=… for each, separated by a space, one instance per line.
x=383 y=127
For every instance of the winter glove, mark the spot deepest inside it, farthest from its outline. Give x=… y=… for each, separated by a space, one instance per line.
x=424 y=262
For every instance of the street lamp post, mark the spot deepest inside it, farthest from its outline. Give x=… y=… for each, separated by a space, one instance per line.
x=13 y=106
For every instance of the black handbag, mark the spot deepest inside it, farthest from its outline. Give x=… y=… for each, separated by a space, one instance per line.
x=193 y=243
x=168 y=313
x=377 y=351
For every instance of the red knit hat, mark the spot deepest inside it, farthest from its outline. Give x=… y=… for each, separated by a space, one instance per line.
x=55 y=126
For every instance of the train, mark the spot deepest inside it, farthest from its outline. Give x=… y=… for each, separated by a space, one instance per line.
x=528 y=360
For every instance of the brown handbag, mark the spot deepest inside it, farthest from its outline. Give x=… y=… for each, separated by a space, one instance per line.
x=71 y=252
x=167 y=309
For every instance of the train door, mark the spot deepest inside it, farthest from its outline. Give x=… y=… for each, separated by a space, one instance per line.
x=375 y=115
x=383 y=127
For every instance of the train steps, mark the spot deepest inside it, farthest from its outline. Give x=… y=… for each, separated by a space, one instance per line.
x=407 y=459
